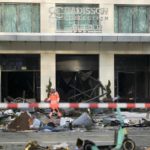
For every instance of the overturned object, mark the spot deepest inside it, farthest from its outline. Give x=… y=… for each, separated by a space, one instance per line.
x=84 y=120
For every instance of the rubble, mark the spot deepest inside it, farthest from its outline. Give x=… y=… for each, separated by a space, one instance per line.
x=20 y=123
x=61 y=146
x=71 y=112
x=83 y=121
x=65 y=121
x=8 y=112
x=121 y=140
x=19 y=120
x=33 y=145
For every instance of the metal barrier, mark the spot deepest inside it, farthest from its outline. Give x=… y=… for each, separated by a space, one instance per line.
x=74 y=105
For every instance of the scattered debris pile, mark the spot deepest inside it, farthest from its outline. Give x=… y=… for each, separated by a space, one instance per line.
x=20 y=123
x=11 y=120
x=19 y=120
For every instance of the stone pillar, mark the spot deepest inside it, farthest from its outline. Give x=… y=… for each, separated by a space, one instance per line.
x=48 y=71
x=0 y=84
x=106 y=69
x=107 y=17
x=48 y=22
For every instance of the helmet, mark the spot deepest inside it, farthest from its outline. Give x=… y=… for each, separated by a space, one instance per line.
x=53 y=90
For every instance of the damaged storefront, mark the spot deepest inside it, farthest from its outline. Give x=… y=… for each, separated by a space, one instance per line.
x=132 y=77
x=107 y=70
x=20 y=77
x=77 y=77
x=88 y=50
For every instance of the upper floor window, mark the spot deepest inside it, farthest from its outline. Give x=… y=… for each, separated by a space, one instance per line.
x=19 y=17
x=132 y=19
x=77 y=18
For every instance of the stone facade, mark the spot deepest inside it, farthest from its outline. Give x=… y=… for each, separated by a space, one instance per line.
x=49 y=50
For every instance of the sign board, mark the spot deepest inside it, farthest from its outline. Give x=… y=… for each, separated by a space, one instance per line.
x=76 y=15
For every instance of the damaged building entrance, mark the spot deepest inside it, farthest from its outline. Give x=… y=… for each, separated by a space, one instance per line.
x=77 y=77
x=132 y=77
x=20 y=77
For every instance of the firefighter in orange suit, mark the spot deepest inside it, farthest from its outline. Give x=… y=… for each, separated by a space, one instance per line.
x=54 y=100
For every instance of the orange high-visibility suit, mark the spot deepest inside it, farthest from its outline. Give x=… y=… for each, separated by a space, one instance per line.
x=54 y=100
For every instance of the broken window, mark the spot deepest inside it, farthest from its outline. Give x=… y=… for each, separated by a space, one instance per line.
x=20 y=76
x=77 y=77
x=132 y=77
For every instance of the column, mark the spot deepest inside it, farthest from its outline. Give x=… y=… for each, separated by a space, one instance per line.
x=48 y=71
x=107 y=17
x=48 y=18
x=0 y=84
x=106 y=69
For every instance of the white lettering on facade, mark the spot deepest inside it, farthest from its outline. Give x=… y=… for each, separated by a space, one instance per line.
x=92 y=16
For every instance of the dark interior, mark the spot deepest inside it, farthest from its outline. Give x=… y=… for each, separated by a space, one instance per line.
x=77 y=77
x=20 y=76
x=19 y=84
x=132 y=77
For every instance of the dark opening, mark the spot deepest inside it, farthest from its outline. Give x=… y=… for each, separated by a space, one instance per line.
x=132 y=77
x=77 y=77
x=18 y=84
x=126 y=85
x=20 y=76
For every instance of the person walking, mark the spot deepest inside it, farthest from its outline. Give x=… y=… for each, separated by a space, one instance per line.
x=54 y=99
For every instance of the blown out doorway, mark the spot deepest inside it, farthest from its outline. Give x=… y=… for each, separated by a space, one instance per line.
x=77 y=77
x=19 y=84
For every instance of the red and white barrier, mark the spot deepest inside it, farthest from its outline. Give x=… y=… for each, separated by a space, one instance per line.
x=74 y=105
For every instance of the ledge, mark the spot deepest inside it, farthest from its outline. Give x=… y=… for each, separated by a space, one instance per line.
x=75 y=37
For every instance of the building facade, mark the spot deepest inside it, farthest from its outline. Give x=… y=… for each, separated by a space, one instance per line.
x=75 y=44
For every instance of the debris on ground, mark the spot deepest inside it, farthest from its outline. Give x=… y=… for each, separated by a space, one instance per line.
x=61 y=146
x=121 y=139
x=86 y=145
x=20 y=123
x=83 y=121
x=33 y=145
x=17 y=120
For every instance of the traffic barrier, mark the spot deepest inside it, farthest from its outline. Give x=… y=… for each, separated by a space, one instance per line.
x=74 y=105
